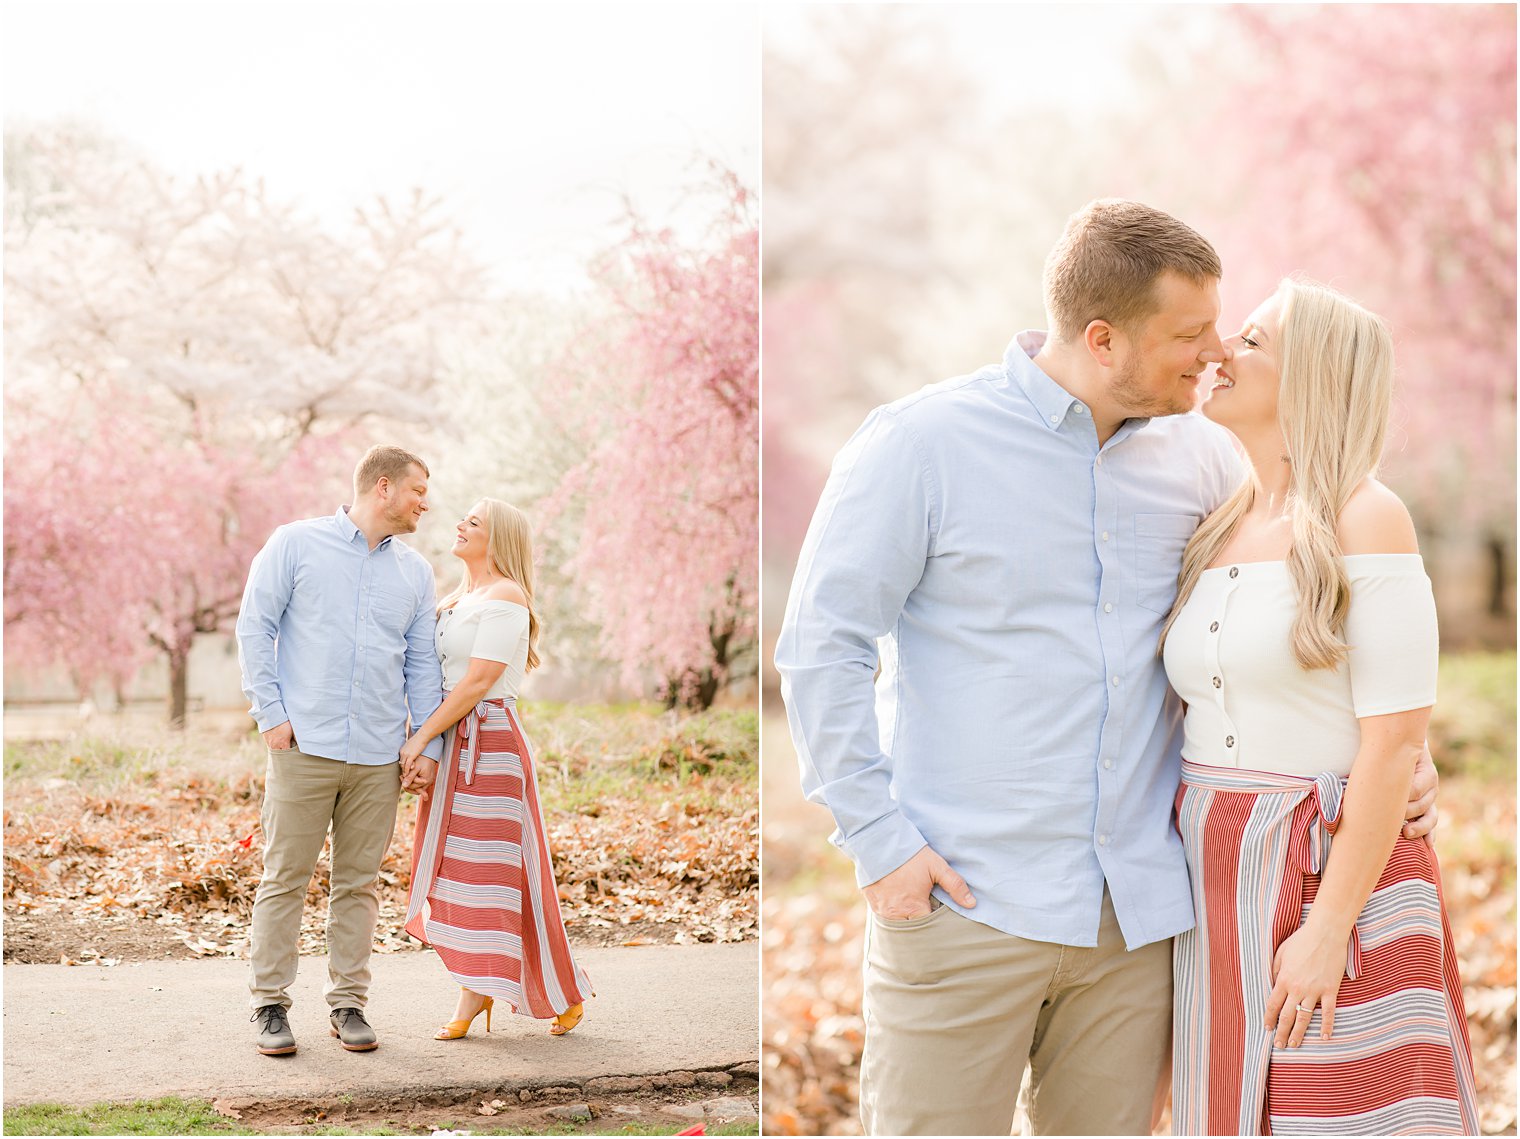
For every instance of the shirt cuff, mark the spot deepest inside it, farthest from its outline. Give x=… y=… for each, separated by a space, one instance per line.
x=272 y=716
x=433 y=749
x=881 y=847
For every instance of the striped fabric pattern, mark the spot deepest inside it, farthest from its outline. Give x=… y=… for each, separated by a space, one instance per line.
x=1399 y=1061
x=483 y=893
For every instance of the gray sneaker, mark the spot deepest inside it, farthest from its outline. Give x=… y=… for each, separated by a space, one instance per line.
x=275 y=1037
x=352 y=1030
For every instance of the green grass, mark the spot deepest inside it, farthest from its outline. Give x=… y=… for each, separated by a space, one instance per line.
x=586 y=754
x=1472 y=730
x=174 y=1116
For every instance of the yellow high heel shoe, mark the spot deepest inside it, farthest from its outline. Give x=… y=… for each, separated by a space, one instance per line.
x=457 y=1029
x=567 y=1020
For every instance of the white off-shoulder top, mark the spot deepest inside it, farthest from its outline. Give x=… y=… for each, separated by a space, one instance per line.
x=1249 y=702
x=491 y=630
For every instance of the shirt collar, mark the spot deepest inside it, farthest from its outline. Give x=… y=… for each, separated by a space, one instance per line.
x=349 y=531
x=1049 y=398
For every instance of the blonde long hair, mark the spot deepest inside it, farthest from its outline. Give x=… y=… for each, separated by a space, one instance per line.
x=509 y=545
x=1335 y=367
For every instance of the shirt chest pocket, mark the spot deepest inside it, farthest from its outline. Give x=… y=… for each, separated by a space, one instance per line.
x=392 y=611
x=1159 y=542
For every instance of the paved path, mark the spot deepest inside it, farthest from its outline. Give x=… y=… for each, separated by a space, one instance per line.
x=88 y=1034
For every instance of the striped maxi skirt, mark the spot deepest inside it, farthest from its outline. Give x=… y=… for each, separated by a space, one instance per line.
x=482 y=892
x=1399 y=1061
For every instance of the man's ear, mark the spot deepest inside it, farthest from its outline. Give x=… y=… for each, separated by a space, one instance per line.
x=382 y=488
x=1101 y=338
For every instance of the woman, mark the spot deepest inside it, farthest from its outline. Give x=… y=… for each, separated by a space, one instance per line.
x=482 y=890
x=1303 y=644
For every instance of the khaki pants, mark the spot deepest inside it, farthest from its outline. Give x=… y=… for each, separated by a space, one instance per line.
x=302 y=796
x=955 y=1009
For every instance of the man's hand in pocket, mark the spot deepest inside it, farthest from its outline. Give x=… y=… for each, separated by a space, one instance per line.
x=904 y=893
x=281 y=737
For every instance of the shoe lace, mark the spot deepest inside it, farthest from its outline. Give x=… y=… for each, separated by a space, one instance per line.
x=274 y=1018
x=347 y=1015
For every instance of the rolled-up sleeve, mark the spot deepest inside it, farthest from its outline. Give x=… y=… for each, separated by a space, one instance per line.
x=265 y=596
x=424 y=675
x=865 y=551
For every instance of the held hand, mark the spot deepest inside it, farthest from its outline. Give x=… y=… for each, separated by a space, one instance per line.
x=1422 y=811
x=281 y=737
x=904 y=893
x=422 y=774
x=410 y=751
x=1307 y=970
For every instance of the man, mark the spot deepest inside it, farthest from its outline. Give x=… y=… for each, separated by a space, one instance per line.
x=335 y=639
x=1012 y=540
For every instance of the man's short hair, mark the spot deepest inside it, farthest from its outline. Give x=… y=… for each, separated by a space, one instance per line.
x=1108 y=259
x=384 y=462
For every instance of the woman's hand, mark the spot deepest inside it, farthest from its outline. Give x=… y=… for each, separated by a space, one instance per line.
x=412 y=763
x=423 y=772
x=1307 y=970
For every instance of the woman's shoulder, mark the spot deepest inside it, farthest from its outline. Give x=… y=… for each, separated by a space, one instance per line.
x=1375 y=521
x=509 y=591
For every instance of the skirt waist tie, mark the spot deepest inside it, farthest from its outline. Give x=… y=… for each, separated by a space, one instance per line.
x=1313 y=844
x=468 y=734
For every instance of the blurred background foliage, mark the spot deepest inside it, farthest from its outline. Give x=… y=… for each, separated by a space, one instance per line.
x=919 y=162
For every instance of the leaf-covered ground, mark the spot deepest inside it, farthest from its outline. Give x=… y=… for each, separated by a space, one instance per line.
x=141 y=844
x=813 y=919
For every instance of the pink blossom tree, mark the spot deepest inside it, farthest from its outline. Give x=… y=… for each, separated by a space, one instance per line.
x=187 y=365
x=1373 y=147
x=667 y=498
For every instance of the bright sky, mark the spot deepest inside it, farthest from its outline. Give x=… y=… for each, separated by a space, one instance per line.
x=532 y=120
x=1070 y=54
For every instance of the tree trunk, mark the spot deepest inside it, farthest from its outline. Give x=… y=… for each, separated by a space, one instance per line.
x=179 y=685
x=696 y=689
x=1498 y=590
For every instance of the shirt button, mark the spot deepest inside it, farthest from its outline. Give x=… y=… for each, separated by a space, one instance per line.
x=1108 y=765
x=1080 y=410
x=1217 y=682
x=1105 y=535
x=1102 y=840
x=1234 y=571
x=1214 y=628
x=1100 y=460
x=1055 y=419
x=1229 y=741
x=1116 y=682
x=1108 y=607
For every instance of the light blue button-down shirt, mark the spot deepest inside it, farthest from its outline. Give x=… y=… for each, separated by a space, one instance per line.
x=1011 y=578
x=338 y=639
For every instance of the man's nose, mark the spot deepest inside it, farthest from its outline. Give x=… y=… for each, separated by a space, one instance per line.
x=1217 y=352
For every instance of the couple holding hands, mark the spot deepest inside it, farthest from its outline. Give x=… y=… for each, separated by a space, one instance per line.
x=343 y=646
